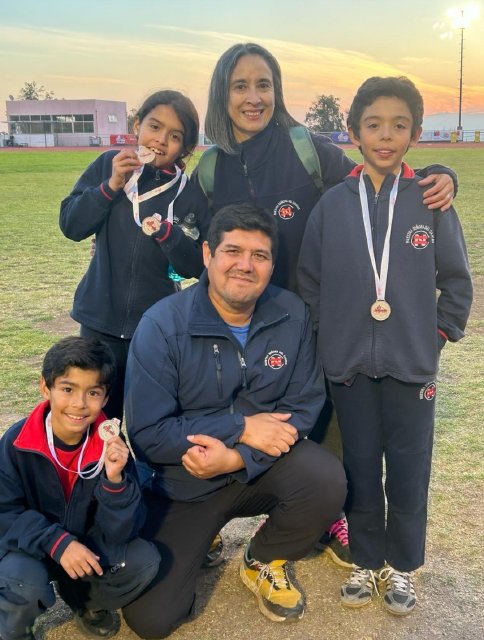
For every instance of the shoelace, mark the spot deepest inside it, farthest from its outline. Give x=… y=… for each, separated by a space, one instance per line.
x=276 y=575
x=401 y=580
x=339 y=530
x=361 y=576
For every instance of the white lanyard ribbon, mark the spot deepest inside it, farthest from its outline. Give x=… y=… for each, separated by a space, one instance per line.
x=380 y=278
x=84 y=475
x=131 y=191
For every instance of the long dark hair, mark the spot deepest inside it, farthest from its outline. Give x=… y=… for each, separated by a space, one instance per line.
x=218 y=125
x=184 y=109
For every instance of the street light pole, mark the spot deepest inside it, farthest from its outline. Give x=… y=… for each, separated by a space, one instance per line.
x=459 y=128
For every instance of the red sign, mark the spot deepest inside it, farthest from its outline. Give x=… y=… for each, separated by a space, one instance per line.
x=122 y=138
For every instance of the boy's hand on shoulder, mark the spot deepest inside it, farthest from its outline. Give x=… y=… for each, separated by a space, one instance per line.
x=115 y=459
x=78 y=561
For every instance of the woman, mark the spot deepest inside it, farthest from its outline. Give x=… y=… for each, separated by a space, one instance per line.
x=248 y=122
x=256 y=161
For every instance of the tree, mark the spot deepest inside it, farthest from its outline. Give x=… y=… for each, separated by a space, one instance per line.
x=325 y=115
x=31 y=91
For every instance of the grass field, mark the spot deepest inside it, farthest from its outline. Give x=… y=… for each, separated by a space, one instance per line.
x=41 y=268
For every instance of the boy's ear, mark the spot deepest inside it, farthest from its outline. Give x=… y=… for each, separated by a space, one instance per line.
x=353 y=137
x=416 y=137
x=44 y=389
x=105 y=400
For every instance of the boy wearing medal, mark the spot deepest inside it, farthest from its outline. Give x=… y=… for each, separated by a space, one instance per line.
x=370 y=264
x=70 y=506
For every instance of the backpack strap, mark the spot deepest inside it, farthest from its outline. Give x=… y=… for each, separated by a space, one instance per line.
x=305 y=149
x=303 y=145
x=206 y=172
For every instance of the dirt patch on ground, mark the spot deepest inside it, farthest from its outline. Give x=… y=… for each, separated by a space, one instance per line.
x=449 y=605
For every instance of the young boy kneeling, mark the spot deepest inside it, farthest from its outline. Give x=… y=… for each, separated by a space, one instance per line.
x=371 y=261
x=70 y=506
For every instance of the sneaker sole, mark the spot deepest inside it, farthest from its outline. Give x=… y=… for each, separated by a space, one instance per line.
x=394 y=612
x=336 y=559
x=260 y=600
x=355 y=605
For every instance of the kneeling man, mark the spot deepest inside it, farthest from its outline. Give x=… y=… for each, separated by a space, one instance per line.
x=222 y=387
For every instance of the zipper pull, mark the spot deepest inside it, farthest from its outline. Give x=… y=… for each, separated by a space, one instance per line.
x=157 y=175
x=243 y=366
x=218 y=367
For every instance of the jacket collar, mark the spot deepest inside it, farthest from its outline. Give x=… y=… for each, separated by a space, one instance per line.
x=205 y=320
x=32 y=436
x=407 y=172
x=256 y=149
x=352 y=180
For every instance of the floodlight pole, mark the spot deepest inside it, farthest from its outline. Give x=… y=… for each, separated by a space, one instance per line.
x=459 y=128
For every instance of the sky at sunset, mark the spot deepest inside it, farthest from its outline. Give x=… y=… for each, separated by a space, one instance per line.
x=114 y=49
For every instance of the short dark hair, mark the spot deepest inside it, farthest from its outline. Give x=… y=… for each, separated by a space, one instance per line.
x=245 y=216
x=392 y=87
x=83 y=353
x=184 y=109
x=218 y=125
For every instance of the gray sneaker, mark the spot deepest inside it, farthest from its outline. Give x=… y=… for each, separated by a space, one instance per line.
x=400 y=598
x=358 y=590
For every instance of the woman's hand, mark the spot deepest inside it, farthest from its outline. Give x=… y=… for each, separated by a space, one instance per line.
x=441 y=194
x=124 y=163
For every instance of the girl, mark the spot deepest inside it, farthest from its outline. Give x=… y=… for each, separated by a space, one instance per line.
x=149 y=224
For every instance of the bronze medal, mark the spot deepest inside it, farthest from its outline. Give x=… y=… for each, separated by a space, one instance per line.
x=108 y=429
x=145 y=155
x=151 y=225
x=380 y=310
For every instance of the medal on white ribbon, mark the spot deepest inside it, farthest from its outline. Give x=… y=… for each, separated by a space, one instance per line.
x=85 y=475
x=380 y=310
x=108 y=429
x=131 y=190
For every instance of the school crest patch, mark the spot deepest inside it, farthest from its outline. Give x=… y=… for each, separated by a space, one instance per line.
x=275 y=359
x=428 y=391
x=286 y=209
x=420 y=236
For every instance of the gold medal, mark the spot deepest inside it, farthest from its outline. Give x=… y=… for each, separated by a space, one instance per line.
x=380 y=310
x=145 y=155
x=108 y=429
x=151 y=225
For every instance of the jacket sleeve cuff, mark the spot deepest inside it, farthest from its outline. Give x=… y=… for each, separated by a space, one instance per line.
x=442 y=339
x=60 y=545
x=114 y=488
x=164 y=232
x=108 y=193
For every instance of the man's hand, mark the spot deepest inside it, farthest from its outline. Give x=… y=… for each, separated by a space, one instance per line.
x=441 y=194
x=210 y=457
x=124 y=163
x=269 y=432
x=78 y=561
x=115 y=459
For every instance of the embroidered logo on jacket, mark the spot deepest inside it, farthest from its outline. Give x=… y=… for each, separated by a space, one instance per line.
x=286 y=209
x=428 y=391
x=420 y=236
x=275 y=360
